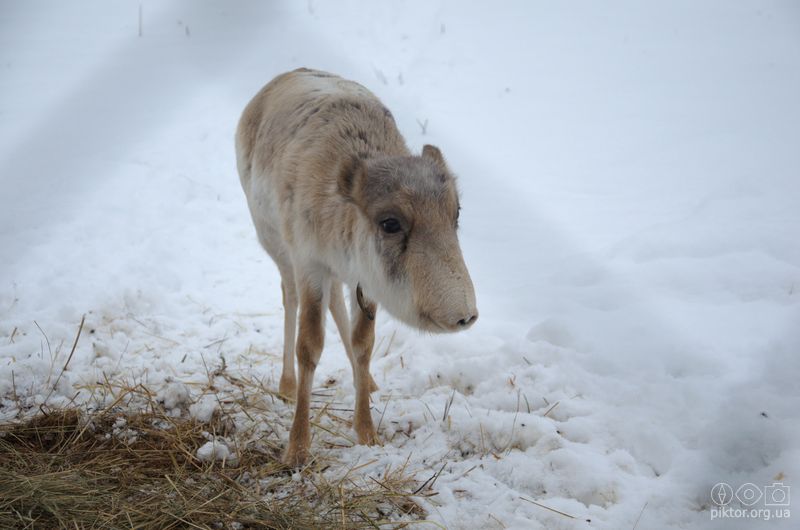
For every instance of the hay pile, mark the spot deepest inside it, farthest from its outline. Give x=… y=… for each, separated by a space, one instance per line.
x=118 y=469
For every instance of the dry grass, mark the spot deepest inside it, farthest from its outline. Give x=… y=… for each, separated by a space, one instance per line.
x=136 y=467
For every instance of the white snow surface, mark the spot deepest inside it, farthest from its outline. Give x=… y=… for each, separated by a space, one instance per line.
x=215 y=450
x=630 y=179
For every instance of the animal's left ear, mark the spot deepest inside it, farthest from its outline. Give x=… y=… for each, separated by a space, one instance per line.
x=431 y=152
x=351 y=177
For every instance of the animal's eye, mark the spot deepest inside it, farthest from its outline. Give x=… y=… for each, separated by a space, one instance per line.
x=391 y=225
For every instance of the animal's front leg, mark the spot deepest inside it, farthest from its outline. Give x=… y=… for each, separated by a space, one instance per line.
x=363 y=341
x=339 y=312
x=313 y=304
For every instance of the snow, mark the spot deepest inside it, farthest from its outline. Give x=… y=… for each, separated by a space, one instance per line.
x=173 y=395
x=215 y=450
x=629 y=178
x=203 y=409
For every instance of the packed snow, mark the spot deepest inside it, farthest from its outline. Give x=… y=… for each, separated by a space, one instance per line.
x=630 y=179
x=215 y=450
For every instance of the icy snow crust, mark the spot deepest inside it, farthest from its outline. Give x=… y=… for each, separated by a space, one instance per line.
x=630 y=186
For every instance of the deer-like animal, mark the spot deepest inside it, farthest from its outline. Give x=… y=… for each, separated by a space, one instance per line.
x=337 y=198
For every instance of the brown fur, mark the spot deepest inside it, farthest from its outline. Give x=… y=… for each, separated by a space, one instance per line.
x=337 y=197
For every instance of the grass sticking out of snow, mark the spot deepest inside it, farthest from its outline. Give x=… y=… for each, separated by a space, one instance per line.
x=140 y=467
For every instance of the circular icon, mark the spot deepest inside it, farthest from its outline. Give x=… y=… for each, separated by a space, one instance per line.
x=778 y=496
x=748 y=494
x=722 y=494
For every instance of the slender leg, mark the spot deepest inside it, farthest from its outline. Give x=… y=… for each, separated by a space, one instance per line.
x=339 y=312
x=313 y=292
x=363 y=341
x=288 y=383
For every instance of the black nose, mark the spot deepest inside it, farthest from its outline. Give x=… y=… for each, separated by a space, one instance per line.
x=468 y=321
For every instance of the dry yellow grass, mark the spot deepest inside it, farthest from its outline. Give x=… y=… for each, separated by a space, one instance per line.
x=117 y=469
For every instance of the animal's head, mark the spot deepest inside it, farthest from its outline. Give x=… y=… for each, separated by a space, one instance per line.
x=409 y=207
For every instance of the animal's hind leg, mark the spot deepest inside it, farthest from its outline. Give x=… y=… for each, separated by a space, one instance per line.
x=270 y=239
x=288 y=383
x=339 y=312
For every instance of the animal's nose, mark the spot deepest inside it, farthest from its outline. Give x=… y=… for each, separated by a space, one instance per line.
x=467 y=321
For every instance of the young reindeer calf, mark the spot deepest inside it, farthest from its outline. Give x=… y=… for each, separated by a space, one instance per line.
x=337 y=197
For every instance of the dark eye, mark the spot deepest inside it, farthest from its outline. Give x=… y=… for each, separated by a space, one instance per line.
x=391 y=225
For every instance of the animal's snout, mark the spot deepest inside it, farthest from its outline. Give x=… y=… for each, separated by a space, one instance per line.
x=467 y=321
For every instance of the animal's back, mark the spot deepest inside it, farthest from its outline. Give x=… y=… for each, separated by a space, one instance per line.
x=297 y=131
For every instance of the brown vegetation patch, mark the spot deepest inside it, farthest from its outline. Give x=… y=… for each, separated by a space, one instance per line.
x=117 y=469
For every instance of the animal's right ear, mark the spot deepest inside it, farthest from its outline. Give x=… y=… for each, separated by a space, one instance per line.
x=350 y=174
x=431 y=152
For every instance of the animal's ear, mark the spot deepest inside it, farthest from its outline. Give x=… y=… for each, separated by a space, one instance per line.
x=431 y=152
x=351 y=173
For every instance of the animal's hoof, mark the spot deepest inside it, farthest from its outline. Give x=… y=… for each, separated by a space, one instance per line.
x=288 y=388
x=295 y=456
x=367 y=436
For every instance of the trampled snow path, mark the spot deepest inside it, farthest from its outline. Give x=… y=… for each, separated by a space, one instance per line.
x=630 y=193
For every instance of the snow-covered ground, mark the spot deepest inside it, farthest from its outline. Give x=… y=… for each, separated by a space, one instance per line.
x=630 y=174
